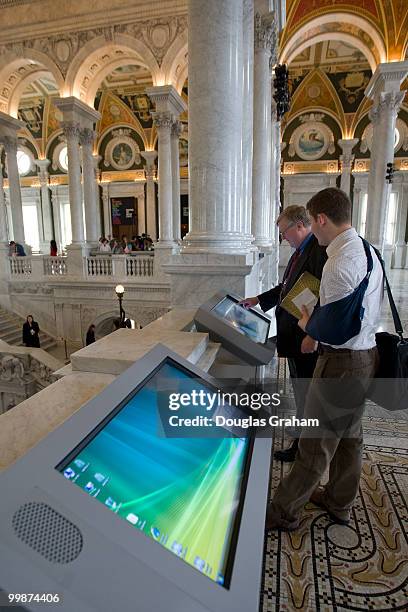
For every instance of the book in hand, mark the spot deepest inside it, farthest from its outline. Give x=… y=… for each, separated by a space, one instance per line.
x=305 y=292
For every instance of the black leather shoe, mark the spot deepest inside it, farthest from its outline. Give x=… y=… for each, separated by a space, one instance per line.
x=288 y=455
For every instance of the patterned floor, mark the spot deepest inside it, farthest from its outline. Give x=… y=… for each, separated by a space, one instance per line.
x=364 y=566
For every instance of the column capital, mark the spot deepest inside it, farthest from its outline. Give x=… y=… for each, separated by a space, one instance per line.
x=87 y=137
x=71 y=129
x=77 y=111
x=176 y=128
x=167 y=98
x=266 y=34
x=347 y=144
x=150 y=166
x=386 y=101
x=43 y=171
x=386 y=78
x=10 y=144
x=162 y=120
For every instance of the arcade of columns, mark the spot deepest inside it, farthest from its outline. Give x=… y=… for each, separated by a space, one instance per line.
x=234 y=187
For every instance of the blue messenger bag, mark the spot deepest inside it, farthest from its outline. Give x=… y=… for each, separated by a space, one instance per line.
x=339 y=321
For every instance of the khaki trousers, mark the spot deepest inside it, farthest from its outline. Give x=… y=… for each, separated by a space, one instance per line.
x=342 y=443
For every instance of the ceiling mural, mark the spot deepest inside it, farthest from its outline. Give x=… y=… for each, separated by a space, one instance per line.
x=388 y=17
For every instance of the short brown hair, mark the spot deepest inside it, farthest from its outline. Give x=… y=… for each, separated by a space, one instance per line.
x=295 y=214
x=332 y=202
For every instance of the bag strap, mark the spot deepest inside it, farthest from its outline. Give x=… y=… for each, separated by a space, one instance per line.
x=397 y=321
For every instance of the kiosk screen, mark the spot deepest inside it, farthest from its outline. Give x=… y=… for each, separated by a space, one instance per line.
x=246 y=322
x=184 y=493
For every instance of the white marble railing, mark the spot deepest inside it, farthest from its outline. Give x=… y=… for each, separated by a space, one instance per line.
x=140 y=266
x=99 y=266
x=55 y=266
x=20 y=266
x=133 y=267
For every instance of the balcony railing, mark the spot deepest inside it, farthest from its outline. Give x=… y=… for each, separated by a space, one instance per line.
x=20 y=266
x=55 y=266
x=137 y=267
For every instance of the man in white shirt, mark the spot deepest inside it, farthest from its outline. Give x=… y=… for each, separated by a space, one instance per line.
x=353 y=362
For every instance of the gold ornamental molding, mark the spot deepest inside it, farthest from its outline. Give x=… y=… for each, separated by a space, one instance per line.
x=131 y=175
x=324 y=166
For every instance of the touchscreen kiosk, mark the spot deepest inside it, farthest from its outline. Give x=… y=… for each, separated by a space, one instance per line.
x=243 y=332
x=109 y=512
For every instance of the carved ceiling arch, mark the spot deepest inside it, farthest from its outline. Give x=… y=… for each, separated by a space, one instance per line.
x=317 y=92
x=98 y=58
x=175 y=63
x=349 y=28
x=16 y=72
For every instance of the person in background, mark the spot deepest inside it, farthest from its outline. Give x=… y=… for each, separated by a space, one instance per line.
x=104 y=247
x=53 y=248
x=16 y=249
x=31 y=332
x=124 y=241
x=90 y=335
x=117 y=249
x=128 y=248
x=292 y=342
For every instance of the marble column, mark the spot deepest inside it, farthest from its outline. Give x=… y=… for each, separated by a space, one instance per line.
x=346 y=159
x=215 y=168
x=150 y=170
x=86 y=139
x=10 y=146
x=72 y=131
x=176 y=130
x=97 y=174
x=56 y=210
x=4 y=239
x=3 y=211
x=169 y=105
x=248 y=115
x=265 y=54
x=163 y=122
x=384 y=90
x=48 y=232
x=107 y=215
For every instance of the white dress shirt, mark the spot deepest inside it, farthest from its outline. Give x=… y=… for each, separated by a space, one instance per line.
x=344 y=270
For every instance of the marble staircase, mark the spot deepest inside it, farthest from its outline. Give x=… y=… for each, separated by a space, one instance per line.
x=11 y=326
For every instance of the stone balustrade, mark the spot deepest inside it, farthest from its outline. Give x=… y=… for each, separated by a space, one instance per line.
x=132 y=267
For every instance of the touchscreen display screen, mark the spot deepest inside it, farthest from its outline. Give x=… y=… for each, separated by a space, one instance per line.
x=184 y=493
x=244 y=321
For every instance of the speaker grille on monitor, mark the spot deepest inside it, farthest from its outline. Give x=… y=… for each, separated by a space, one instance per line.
x=47 y=532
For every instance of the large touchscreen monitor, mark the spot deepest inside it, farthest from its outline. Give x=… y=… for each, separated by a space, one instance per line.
x=184 y=493
x=109 y=512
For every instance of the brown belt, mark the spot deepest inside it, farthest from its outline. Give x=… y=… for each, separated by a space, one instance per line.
x=324 y=348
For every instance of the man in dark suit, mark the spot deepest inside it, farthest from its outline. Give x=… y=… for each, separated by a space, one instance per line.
x=292 y=343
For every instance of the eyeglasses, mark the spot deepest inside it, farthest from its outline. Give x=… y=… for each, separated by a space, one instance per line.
x=283 y=232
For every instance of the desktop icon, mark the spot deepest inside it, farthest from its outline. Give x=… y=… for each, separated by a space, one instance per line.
x=111 y=503
x=99 y=477
x=177 y=548
x=79 y=463
x=132 y=518
x=69 y=473
x=199 y=563
x=220 y=579
x=155 y=532
x=89 y=487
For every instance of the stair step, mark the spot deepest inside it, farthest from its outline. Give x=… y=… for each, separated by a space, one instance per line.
x=11 y=331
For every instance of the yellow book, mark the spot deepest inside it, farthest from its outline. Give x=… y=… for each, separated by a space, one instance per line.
x=305 y=292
